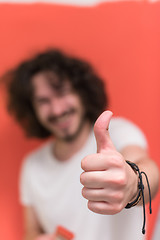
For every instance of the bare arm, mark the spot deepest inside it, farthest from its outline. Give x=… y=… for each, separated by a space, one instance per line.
x=140 y=156
x=32 y=228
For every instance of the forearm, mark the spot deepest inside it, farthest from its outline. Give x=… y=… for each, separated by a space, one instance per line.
x=145 y=164
x=38 y=236
x=32 y=227
x=32 y=235
x=150 y=168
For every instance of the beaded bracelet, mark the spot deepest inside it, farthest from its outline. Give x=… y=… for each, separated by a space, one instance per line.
x=140 y=192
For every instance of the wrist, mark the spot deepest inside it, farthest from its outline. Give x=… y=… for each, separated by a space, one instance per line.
x=133 y=181
x=135 y=185
x=135 y=191
x=141 y=192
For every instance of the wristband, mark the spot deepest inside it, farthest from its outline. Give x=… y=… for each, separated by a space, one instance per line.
x=140 y=192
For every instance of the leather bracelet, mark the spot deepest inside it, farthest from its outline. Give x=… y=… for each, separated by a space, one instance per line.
x=139 y=196
x=140 y=192
x=136 y=201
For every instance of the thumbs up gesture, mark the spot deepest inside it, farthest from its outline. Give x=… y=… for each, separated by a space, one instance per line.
x=109 y=183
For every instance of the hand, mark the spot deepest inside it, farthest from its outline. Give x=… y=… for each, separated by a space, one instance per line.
x=109 y=182
x=45 y=237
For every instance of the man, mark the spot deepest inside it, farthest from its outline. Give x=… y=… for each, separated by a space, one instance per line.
x=57 y=95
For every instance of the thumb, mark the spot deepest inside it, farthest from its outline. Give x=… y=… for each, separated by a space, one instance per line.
x=101 y=126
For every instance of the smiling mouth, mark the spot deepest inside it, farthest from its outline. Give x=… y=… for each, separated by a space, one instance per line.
x=61 y=119
x=63 y=122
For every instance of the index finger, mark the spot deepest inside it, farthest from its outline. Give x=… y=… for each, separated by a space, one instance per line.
x=94 y=162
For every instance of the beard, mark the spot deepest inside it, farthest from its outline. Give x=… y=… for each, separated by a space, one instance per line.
x=67 y=136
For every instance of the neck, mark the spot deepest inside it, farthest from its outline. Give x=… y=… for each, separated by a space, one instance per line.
x=65 y=150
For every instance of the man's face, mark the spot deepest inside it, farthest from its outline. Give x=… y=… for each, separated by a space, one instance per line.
x=59 y=110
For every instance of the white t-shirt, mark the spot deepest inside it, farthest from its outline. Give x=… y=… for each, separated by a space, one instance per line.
x=53 y=188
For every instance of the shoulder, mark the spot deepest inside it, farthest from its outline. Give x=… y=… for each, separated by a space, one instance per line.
x=124 y=132
x=37 y=156
x=121 y=122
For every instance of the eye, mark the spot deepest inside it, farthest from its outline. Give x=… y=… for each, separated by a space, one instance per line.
x=64 y=91
x=41 y=101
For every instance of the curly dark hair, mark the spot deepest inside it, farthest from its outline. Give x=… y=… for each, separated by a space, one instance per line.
x=80 y=74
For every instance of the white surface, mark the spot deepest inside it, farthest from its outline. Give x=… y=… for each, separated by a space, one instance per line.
x=72 y=2
x=156 y=235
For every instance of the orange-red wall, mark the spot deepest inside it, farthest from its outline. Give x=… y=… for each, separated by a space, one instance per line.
x=122 y=41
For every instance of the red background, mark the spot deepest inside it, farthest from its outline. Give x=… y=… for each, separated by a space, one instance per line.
x=120 y=39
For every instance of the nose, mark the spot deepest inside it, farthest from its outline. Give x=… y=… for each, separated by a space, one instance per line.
x=57 y=106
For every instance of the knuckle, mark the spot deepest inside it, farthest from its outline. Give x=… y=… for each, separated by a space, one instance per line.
x=90 y=207
x=96 y=207
x=121 y=179
x=86 y=162
x=105 y=179
x=118 y=207
x=83 y=192
x=82 y=178
x=83 y=163
x=118 y=197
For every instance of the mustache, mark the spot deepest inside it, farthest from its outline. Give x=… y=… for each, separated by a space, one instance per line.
x=54 y=119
